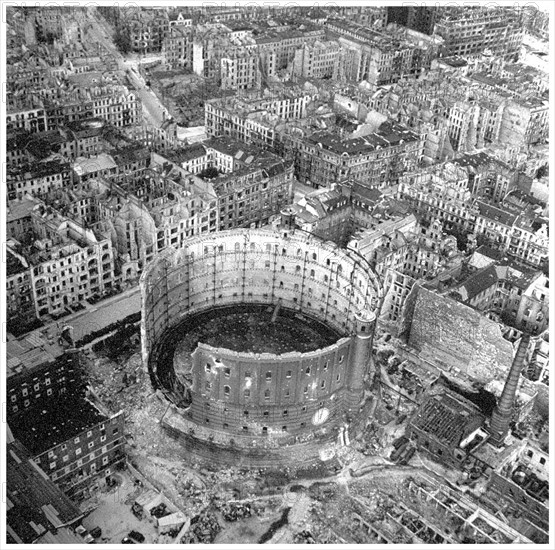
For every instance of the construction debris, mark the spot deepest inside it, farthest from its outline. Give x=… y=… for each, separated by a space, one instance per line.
x=234 y=511
x=203 y=529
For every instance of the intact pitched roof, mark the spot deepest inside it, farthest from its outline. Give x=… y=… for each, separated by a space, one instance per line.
x=480 y=281
x=233 y=148
x=186 y=154
x=489 y=252
x=19 y=209
x=496 y=214
x=367 y=194
x=94 y=164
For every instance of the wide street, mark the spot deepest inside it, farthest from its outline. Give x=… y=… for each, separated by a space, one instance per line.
x=153 y=109
x=96 y=317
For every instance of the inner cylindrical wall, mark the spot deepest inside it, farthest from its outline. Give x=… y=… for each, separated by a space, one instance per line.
x=257 y=266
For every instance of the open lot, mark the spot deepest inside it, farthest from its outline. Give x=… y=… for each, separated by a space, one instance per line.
x=114 y=516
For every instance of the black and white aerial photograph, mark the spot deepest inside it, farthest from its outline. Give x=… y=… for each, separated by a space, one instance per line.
x=276 y=273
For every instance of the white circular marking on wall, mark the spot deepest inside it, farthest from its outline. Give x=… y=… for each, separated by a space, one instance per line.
x=320 y=416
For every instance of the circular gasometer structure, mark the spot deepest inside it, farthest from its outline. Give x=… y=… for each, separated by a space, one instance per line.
x=261 y=340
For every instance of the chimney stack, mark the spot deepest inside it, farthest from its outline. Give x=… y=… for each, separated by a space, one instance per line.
x=287 y=218
x=502 y=415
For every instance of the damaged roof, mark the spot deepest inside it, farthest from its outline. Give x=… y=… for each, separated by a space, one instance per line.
x=35 y=506
x=447 y=418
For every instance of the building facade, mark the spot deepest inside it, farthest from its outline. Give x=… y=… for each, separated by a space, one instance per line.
x=469 y=32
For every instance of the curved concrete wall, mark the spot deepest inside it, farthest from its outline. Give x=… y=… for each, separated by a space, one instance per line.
x=256 y=266
x=265 y=394
x=261 y=395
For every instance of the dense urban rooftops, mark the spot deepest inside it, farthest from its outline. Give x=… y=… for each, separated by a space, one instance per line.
x=38 y=169
x=389 y=134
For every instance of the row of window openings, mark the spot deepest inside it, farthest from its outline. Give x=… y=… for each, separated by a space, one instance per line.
x=76 y=440
x=246 y=428
x=267 y=265
x=78 y=451
x=269 y=250
x=247 y=393
x=79 y=463
x=27 y=402
x=105 y=461
x=266 y=413
x=288 y=374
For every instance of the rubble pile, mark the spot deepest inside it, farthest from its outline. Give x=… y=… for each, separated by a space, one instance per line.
x=160 y=511
x=203 y=529
x=321 y=491
x=116 y=382
x=304 y=537
x=370 y=443
x=234 y=511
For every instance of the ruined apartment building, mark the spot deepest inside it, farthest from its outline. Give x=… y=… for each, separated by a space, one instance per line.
x=71 y=437
x=250 y=185
x=381 y=57
x=67 y=263
x=253 y=121
x=38 y=178
x=469 y=31
x=443 y=193
x=374 y=160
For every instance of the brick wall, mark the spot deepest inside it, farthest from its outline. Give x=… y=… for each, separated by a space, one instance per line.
x=453 y=336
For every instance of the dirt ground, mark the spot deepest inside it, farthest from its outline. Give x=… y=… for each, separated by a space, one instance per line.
x=113 y=514
x=247 y=531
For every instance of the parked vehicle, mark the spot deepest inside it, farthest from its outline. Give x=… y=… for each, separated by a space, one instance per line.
x=85 y=535
x=136 y=536
x=137 y=511
x=400 y=442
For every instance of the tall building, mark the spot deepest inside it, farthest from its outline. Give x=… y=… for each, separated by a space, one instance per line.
x=382 y=56
x=253 y=121
x=373 y=160
x=418 y=18
x=318 y=60
x=20 y=304
x=472 y=31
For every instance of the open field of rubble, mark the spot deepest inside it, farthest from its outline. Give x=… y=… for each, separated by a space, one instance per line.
x=360 y=504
